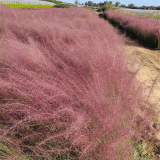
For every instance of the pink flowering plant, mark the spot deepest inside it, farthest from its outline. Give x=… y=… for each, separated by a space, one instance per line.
x=65 y=90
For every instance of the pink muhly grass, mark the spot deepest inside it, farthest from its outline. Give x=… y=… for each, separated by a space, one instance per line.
x=145 y=28
x=65 y=91
x=137 y=22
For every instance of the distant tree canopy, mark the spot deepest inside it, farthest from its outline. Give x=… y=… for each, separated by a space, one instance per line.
x=109 y=3
x=86 y=3
x=95 y=4
x=102 y=4
x=131 y=5
x=107 y=6
x=91 y=4
x=76 y=2
x=122 y=5
x=142 y=7
x=117 y=4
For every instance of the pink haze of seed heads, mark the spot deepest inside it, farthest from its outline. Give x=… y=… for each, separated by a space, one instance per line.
x=148 y=26
x=65 y=90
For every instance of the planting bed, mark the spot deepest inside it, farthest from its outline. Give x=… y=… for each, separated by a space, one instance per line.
x=146 y=30
x=65 y=89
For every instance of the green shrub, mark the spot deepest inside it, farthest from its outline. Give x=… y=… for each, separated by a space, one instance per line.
x=107 y=7
x=62 y=6
x=99 y=9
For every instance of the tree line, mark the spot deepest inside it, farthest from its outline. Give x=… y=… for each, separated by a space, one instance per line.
x=92 y=4
x=109 y=4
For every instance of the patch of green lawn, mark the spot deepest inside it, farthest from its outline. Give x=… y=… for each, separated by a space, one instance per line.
x=28 y=6
x=97 y=11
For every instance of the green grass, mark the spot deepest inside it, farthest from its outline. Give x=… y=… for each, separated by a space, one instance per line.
x=27 y=6
x=98 y=11
x=63 y=6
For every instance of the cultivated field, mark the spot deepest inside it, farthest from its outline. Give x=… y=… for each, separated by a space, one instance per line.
x=28 y=6
x=66 y=91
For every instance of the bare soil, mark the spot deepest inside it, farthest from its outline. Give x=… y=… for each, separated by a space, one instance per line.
x=147 y=65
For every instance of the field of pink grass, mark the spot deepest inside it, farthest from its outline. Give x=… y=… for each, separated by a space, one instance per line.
x=65 y=90
x=146 y=27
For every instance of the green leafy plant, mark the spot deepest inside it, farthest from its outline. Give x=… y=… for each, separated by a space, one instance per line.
x=107 y=6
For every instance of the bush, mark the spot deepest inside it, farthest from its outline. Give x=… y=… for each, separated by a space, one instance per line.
x=62 y=6
x=107 y=6
x=99 y=9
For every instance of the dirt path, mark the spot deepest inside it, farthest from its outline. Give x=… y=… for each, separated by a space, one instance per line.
x=148 y=61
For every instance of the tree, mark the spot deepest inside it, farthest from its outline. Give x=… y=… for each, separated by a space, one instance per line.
x=131 y=5
x=86 y=3
x=90 y=3
x=122 y=5
x=76 y=2
x=117 y=4
x=101 y=4
x=107 y=6
x=109 y=3
x=105 y=2
x=94 y=4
